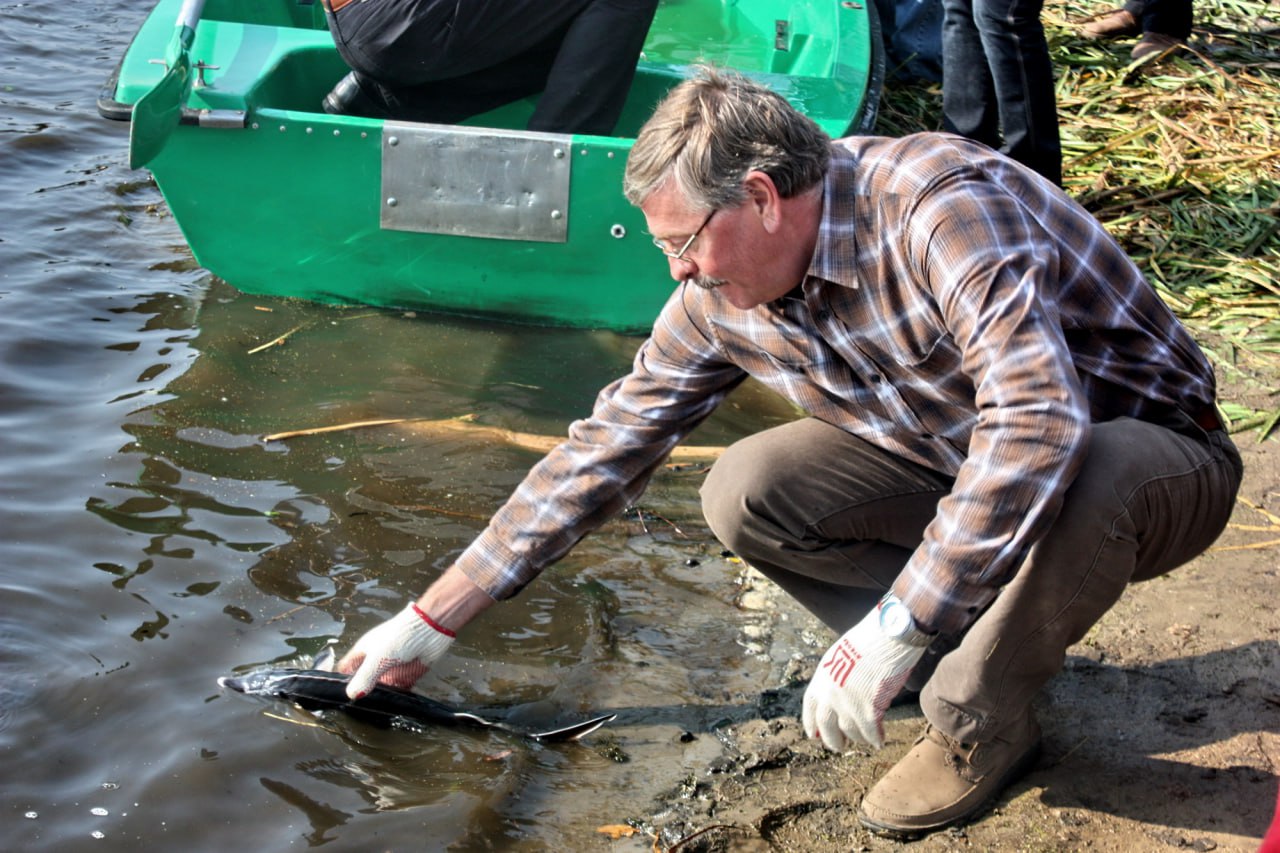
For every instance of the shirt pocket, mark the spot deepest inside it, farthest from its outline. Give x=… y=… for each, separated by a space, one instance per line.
x=936 y=351
x=930 y=381
x=800 y=351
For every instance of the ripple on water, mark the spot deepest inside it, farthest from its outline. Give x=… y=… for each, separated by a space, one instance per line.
x=151 y=543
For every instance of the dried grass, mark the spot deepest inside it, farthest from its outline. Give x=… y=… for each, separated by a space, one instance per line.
x=1179 y=158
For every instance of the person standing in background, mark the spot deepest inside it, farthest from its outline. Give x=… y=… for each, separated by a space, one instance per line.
x=997 y=80
x=911 y=32
x=1163 y=24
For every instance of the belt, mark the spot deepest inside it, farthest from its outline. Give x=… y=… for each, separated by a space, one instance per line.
x=1206 y=417
x=332 y=6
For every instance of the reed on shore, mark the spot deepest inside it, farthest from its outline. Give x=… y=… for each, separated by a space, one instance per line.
x=1179 y=157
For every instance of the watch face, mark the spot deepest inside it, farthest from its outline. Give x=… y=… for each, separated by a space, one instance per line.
x=895 y=619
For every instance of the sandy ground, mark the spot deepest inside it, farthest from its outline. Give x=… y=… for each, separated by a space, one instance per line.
x=1162 y=732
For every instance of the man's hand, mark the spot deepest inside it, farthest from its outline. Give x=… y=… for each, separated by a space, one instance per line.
x=398 y=652
x=855 y=682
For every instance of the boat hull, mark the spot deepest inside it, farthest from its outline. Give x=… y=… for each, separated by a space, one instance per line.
x=280 y=199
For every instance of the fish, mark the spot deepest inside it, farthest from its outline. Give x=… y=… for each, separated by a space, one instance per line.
x=320 y=688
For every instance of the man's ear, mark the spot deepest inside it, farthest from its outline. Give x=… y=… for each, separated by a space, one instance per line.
x=762 y=195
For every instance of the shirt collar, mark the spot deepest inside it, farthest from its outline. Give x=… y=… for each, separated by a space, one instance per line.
x=837 y=241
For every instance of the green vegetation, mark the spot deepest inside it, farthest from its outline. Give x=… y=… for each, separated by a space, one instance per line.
x=1179 y=157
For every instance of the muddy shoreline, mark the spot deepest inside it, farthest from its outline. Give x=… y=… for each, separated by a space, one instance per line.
x=1161 y=733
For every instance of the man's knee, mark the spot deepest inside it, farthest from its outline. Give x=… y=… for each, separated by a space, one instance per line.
x=740 y=479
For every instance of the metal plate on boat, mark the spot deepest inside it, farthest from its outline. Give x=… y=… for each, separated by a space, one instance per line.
x=475 y=182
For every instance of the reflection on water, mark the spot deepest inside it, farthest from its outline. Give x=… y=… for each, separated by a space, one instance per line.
x=153 y=542
x=280 y=546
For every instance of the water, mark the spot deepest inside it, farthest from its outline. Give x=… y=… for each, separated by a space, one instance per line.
x=152 y=542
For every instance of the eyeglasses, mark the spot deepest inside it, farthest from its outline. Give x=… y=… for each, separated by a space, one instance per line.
x=679 y=256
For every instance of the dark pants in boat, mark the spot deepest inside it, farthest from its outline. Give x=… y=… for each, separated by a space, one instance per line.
x=997 y=80
x=833 y=520
x=445 y=60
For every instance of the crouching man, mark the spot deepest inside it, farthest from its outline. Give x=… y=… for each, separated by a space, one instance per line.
x=1006 y=427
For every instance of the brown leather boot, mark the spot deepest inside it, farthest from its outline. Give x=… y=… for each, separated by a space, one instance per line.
x=1118 y=23
x=1153 y=43
x=942 y=781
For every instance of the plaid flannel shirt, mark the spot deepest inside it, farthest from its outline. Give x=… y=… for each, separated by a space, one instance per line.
x=959 y=311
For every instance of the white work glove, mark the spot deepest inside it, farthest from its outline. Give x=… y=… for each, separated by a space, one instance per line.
x=855 y=682
x=398 y=652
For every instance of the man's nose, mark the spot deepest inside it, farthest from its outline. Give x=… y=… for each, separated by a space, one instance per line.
x=682 y=269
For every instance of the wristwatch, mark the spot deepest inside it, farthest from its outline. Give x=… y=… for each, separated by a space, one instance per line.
x=896 y=621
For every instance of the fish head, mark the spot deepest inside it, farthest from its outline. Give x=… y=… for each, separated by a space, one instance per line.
x=326 y=660
x=264 y=683
x=277 y=681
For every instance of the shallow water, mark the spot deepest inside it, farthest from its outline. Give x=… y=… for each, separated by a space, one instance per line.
x=153 y=542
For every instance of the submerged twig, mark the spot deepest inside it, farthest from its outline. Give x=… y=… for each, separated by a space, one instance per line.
x=275 y=342
x=291 y=720
x=295 y=433
x=436 y=510
x=286 y=614
x=674 y=848
x=279 y=341
x=466 y=427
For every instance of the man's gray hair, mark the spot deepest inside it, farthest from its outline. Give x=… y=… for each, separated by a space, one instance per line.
x=712 y=129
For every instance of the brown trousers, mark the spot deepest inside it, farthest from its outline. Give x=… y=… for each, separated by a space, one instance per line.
x=832 y=520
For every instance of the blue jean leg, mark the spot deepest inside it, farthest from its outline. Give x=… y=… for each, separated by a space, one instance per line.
x=997 y=80
x=1170 y=17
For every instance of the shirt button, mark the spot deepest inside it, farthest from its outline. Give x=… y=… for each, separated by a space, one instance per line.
x=875 y=378
x=824 y=314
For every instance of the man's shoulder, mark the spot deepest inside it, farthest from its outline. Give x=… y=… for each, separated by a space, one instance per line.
x=926 y=143
x=909 y=163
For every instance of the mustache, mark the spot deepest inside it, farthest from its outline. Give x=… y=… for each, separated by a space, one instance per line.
x=706 y=282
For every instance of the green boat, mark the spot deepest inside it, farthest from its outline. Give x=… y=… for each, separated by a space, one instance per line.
x=279 y=198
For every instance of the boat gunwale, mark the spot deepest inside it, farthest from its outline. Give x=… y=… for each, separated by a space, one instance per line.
x=859 y=119
x=570 y=284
